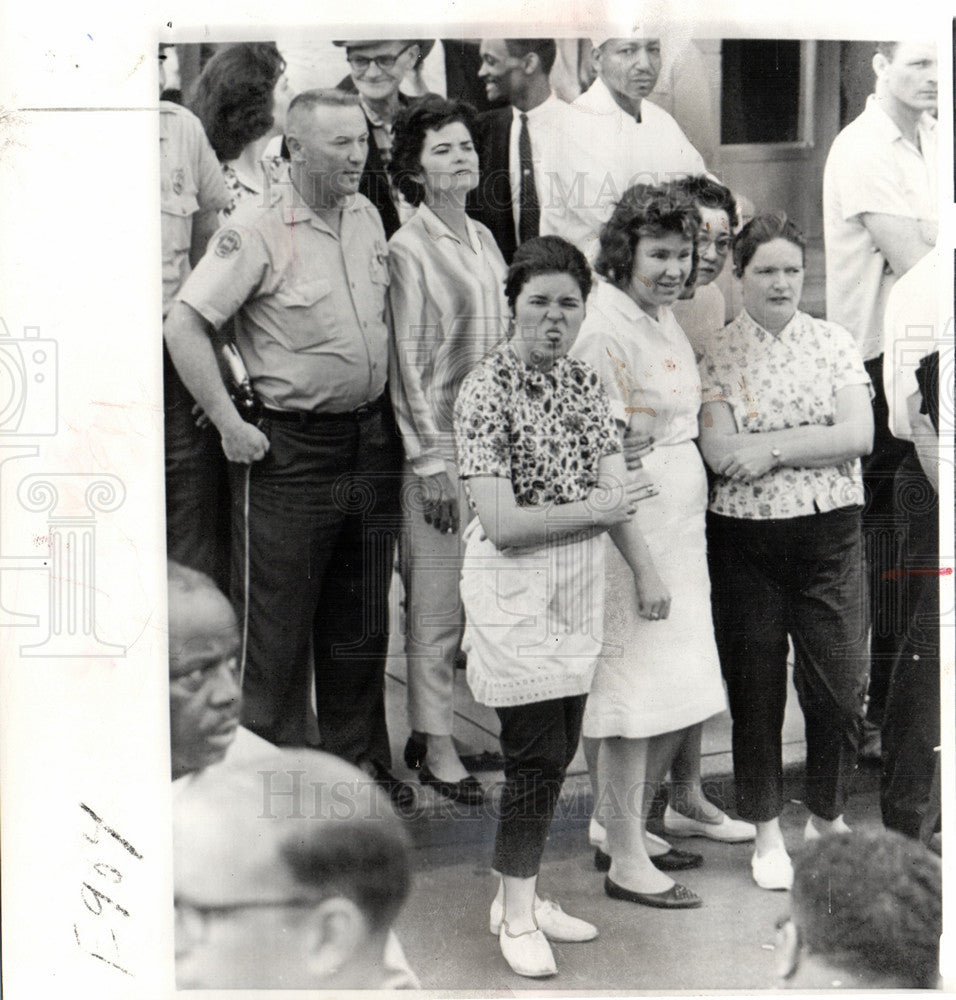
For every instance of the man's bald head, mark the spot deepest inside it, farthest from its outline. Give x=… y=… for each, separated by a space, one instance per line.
x=297 y=833
x=204 y=695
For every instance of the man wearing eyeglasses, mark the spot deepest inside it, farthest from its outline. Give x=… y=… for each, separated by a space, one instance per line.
x=865 y=914
x=288 y=874
x=376 y=69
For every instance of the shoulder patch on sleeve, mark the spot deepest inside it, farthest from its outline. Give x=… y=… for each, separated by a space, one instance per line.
x=228 y=243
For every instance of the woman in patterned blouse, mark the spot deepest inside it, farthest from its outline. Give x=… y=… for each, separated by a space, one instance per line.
x=540 y=456
x=786 y=416
x=241 y=98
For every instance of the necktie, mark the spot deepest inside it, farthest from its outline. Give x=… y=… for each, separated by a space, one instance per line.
x=528 y=211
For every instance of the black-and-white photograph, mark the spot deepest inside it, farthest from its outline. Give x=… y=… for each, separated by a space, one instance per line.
x=540 y=478
x=476 y=508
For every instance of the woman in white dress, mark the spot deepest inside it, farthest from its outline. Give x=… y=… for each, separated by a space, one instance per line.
x=658 y=673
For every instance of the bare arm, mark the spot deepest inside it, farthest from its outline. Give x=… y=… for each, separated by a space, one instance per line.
x=187 y=336
x=898 y=238
x=748 y=456
x=508 y=525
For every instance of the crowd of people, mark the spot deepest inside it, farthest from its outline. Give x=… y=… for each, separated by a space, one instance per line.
x=491 y=350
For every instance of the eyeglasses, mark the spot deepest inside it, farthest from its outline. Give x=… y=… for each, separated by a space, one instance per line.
x=193 y=919
x=721 y=242
x=361 y=63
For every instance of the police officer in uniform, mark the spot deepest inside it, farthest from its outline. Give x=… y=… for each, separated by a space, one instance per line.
x=315 y=484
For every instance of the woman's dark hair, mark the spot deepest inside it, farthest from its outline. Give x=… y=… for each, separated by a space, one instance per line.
x=408 y=139
x=644 y=210
x=233 y=96
x=763 y=229
x=546 y=255
x=704 y=190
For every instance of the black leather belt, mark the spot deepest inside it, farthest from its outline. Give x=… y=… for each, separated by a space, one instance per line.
x=305 y=417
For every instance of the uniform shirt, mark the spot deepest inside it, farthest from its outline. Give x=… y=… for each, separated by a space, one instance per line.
x=773 y=383
x=547 y=130
x=448 y=310
x=608 y=151
x=190 y=181
x=647 y=365
x=545 y=431
x=700 y=316
x=310 y=302
x=871 y=167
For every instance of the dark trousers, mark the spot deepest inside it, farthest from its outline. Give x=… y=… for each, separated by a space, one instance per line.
x=883 y=530
x=197 y=485
x=801 y=577
x=322 y=522
x=538 y=742
x=911 y=724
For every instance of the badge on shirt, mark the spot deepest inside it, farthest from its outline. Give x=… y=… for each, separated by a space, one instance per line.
x=179 y=180
x=228 y=243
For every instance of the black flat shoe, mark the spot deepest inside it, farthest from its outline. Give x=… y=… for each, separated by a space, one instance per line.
x=677 y=897
x=415 y=751
x=677 y=861
x=468 y=791
x=401 y=793
x=672 y=861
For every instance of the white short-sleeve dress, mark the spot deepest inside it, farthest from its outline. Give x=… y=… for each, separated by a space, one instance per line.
x=654 y=677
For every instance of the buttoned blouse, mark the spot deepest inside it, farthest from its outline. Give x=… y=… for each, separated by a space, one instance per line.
x=448 y=310
x=310 y=302
x=647 y=365
x=545 y=431
x=773 y=383
x=873 y=168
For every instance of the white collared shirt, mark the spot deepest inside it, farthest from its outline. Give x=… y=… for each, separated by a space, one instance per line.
x=608 y=151
x=547 y=129
x=872 y=168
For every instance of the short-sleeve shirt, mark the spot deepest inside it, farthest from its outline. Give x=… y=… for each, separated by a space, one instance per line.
x=647 y=365
x=545 y=431
x=872 y=168
x=190 y=181
x=773 y=383
x=310 y=302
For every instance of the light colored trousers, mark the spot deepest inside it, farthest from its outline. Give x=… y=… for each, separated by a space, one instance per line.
x=430 y=566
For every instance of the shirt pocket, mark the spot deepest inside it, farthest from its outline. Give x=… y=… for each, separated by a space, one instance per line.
x=307 y=315
x=177 y=211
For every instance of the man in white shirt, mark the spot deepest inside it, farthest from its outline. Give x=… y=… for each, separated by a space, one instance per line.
x=616 y=139
x=517 y=145
x=880 y=217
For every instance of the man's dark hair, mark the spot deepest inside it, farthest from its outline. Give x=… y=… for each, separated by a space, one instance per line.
x=764 y=229
x=408 y=139
x=544 y=48
x=872 y=902
x=233 y=96
x=644 y=210
x=546 y=255
x=364 y=861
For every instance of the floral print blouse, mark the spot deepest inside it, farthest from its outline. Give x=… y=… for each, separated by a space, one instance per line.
x=774 y=383
x=545 y=431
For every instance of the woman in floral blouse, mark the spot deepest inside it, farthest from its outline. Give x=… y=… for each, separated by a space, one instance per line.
x=786 y=416
x=540 y=456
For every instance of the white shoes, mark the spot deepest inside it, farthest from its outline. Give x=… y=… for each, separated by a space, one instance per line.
x=810 y=832
x=554 y=923
x=727 y=830
x=528 y=954
x=772 y=870
x=597 y=837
